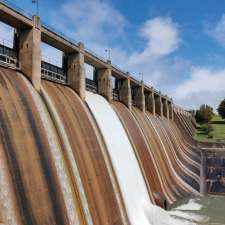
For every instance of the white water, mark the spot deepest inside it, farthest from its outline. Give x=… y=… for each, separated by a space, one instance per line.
x=133 y=188
x=191 y=205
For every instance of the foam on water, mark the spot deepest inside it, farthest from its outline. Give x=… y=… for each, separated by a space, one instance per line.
x=191 y=205
x=189 y=216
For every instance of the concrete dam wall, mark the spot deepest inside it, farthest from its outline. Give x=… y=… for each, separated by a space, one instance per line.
x=85 y=151
x=66 y=161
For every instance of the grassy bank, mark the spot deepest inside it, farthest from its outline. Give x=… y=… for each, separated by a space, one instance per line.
x=218 y=131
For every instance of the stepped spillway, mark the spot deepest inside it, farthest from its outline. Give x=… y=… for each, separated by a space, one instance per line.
x=66 y=161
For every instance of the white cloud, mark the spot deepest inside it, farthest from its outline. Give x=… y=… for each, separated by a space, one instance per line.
x=205 y=85
x=162 y=37
x=218 y=31
x=90 y=20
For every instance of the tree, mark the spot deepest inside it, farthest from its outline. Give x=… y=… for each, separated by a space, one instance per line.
x=204 y=114
x=221 y=109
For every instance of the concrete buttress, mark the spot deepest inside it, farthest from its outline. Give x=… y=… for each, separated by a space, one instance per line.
x=76 y=71
x=139 y=98
x=104 y=79
x=150 y=102
x=158 y=105
x=125 y=92
x=30 y=52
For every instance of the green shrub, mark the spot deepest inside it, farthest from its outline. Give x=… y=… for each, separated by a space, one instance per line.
x=204 y=114
x=204 y=127
x=210 y=134
x=209 y=128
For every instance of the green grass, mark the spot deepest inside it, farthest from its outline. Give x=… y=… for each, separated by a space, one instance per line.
x=218 y=125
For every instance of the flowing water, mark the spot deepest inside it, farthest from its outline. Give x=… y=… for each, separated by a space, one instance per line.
x=209 y=210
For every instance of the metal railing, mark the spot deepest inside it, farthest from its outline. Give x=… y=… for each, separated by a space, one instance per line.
x=115 y=93
x=53 y=73
x=91 y=85
x=8 y=56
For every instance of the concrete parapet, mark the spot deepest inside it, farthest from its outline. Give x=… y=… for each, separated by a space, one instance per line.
x=139 y=97
x=150 y=102
x=30 y=52
x=125 y=92
x=76 y=71
x=158 y=104
x=104 y=79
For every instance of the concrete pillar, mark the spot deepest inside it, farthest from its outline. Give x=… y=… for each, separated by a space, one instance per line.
x=171 y=110
x=165 y=108
x=104 y=79
x=158 y=104
x=139 y=97
x=30 y=52
x=76 y=71
x=203 y=185
x=150 y=102
x=125 y=92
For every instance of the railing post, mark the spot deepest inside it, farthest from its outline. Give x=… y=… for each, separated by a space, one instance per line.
x=139 y=97
x=30 y=52
x=150 y=102
x=104 y=80
x=76 y=71
x=125 y=92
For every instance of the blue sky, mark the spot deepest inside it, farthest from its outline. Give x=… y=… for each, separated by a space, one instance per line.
x=178 y=46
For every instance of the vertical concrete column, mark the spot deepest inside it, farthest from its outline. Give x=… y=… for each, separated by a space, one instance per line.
x=30 y=52
x=203 y=186
x=104 y=79
x=76 y=71
x=139 y=98
x=171 y=110
x=158 y=104
x=165 y=108
x=150 y=102
x=125 y=92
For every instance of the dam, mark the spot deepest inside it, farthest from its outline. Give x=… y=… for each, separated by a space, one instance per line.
x=104 y=151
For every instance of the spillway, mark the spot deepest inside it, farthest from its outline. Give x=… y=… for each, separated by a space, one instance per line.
x=131 y=182
x=64 y=161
